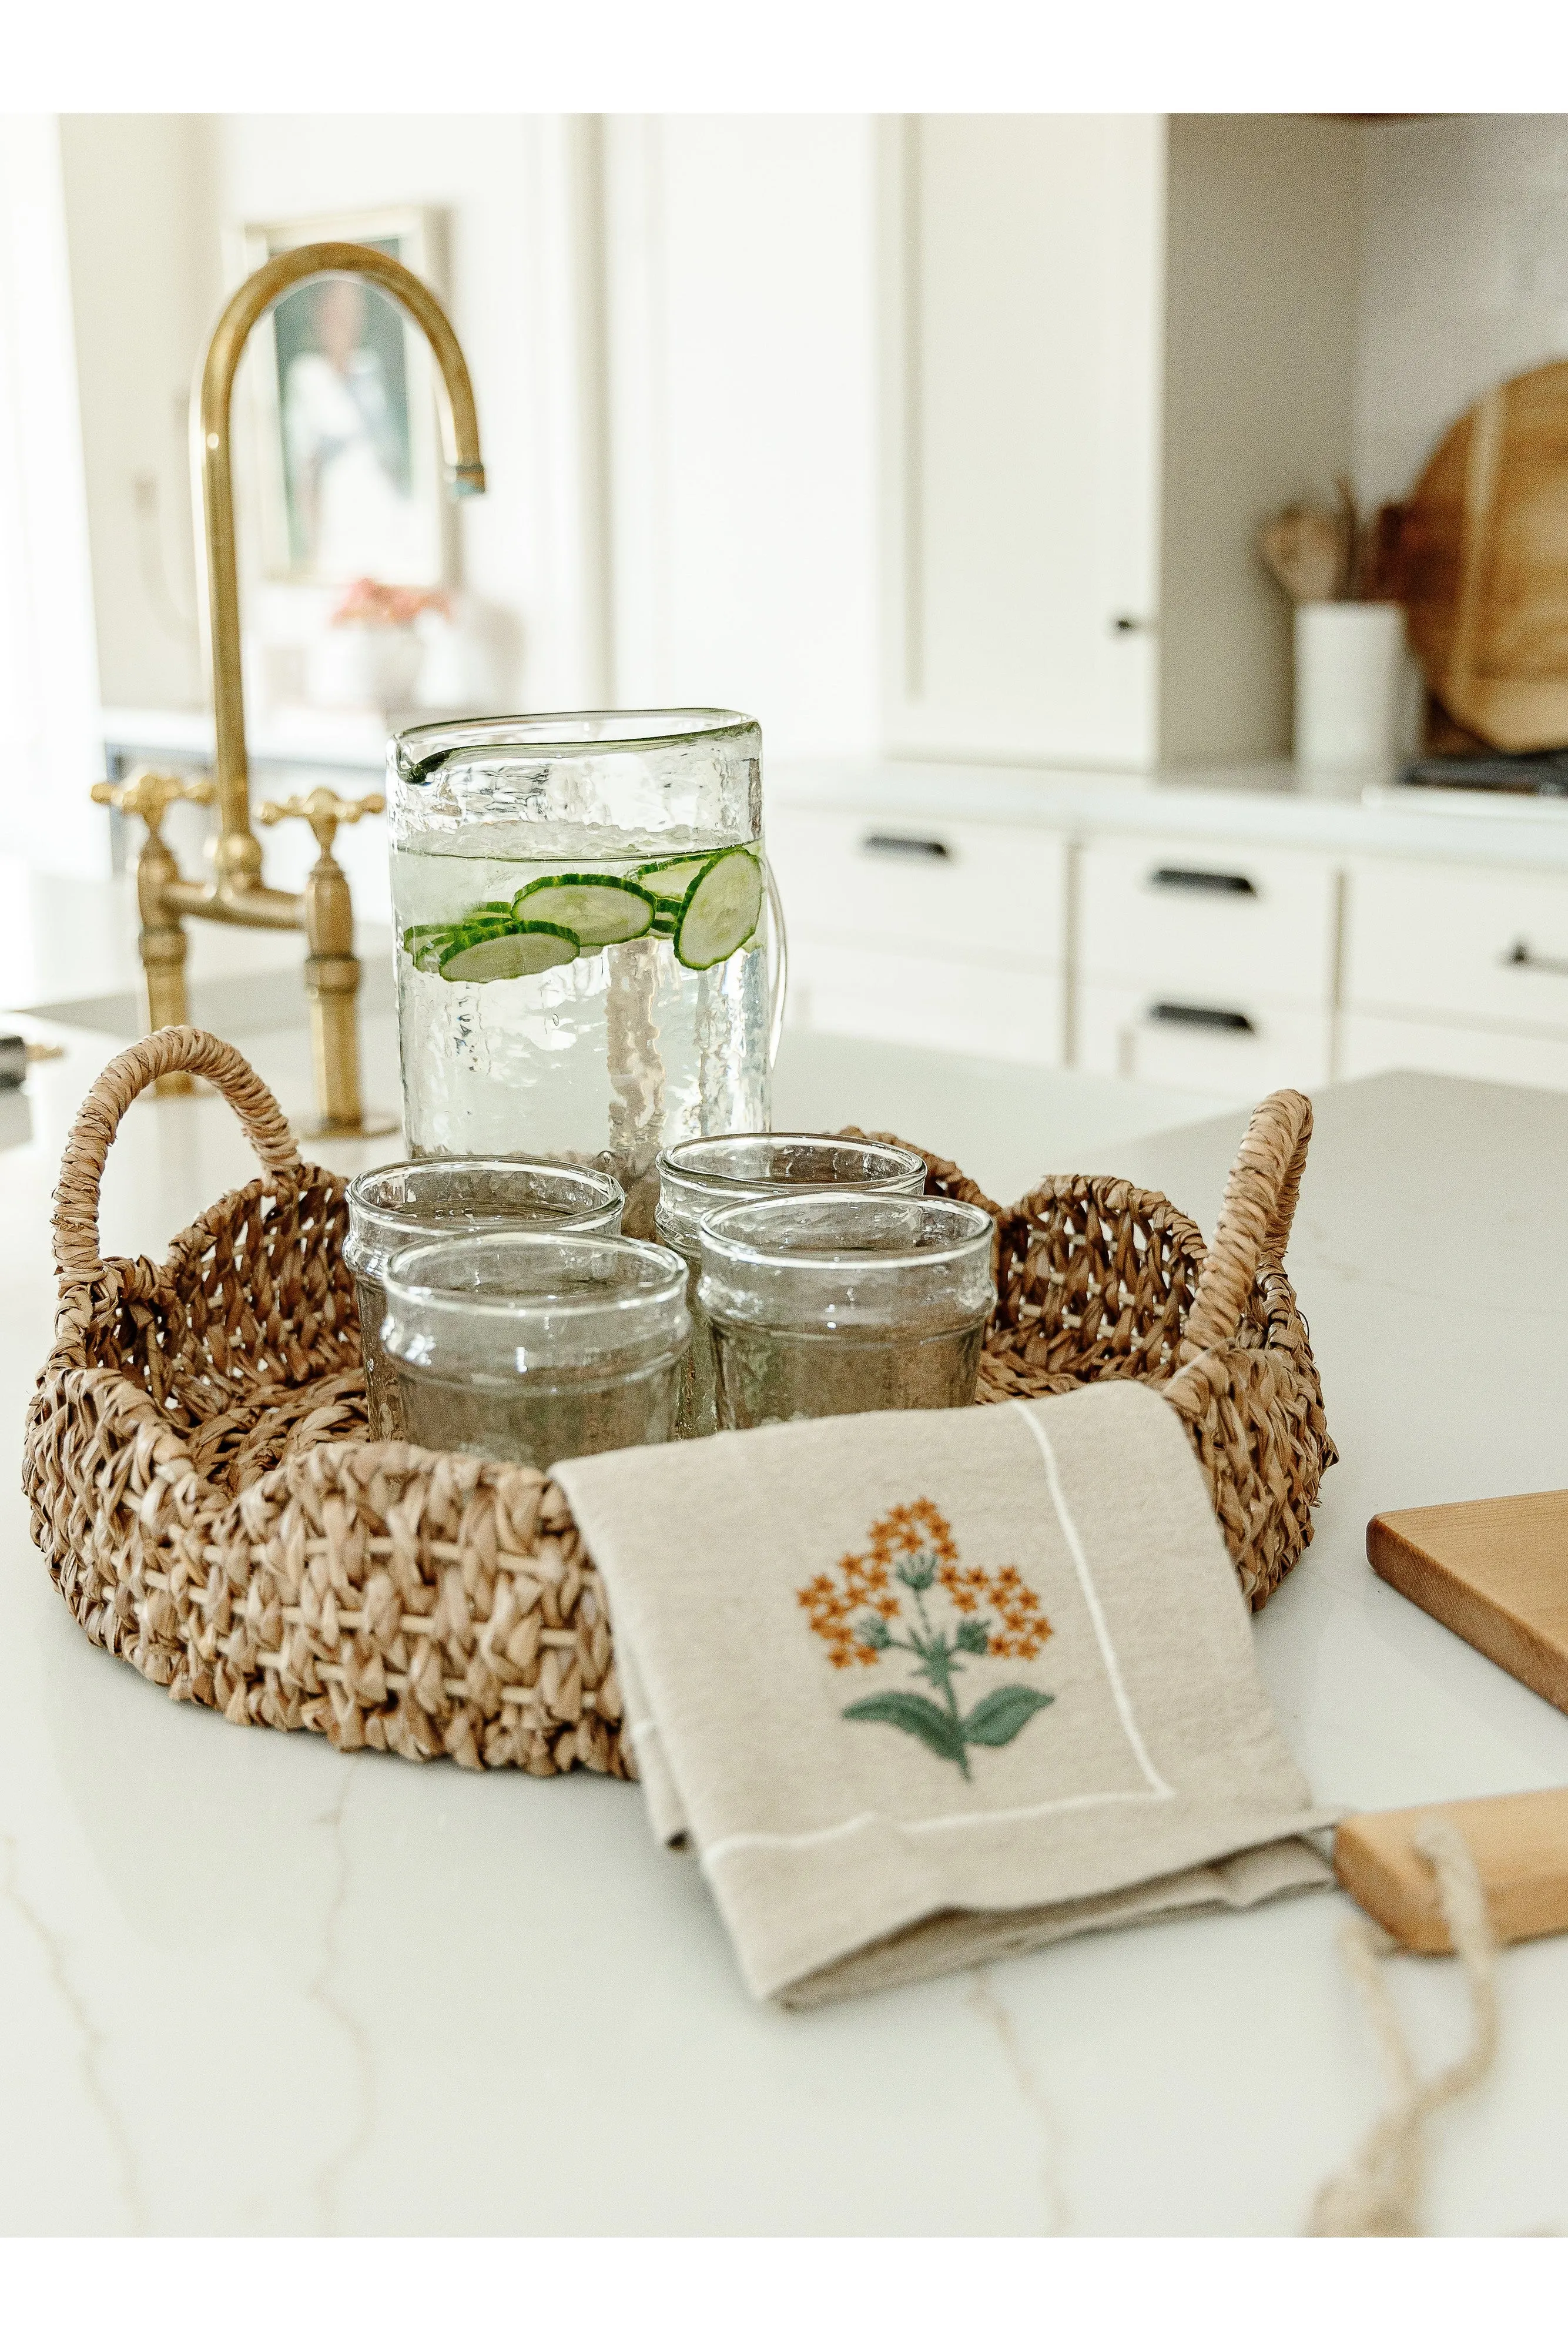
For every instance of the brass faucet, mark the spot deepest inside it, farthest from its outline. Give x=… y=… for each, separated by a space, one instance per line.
x=236 y=893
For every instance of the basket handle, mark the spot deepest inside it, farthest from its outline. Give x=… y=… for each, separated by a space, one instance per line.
x=1255 y=1221
x=78 y=1256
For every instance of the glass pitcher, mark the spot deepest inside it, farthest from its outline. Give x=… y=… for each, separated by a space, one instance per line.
x=583 y=912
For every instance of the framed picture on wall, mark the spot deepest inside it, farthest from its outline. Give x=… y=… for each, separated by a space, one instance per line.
x=347 y=454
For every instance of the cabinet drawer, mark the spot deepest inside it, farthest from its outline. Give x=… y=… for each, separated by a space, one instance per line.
x=996 y=891
x=962 y=1008
x=1236 y=1045
x=1371 y=1043
x=1183 y=915
x=1434 y=939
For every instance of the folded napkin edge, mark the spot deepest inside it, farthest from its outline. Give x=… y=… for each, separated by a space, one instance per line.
x=947 y=1942
x=872 y=1886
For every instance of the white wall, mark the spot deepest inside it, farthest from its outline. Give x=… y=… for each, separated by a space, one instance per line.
x=671 y=324
x=498 y=178
x=144 y=284
x=151 y=201
x=1463 y=278
x=741 y=323
x=1261 y=302
x=49 y=685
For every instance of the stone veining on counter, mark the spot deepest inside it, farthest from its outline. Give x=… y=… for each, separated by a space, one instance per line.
x=994 y=2012
x=91 y=2038
x=360 y=2122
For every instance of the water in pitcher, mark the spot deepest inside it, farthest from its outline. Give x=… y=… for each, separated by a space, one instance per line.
x=582 y=937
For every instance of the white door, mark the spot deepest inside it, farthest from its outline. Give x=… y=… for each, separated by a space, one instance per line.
x=1022 y=269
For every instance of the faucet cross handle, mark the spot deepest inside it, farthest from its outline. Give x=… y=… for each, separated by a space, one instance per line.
x=150 y=793
x=323 y=811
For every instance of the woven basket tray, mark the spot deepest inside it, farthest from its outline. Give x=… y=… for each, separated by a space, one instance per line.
x=212 y=1511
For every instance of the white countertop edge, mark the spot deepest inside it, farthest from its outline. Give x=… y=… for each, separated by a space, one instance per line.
x=1261 y=801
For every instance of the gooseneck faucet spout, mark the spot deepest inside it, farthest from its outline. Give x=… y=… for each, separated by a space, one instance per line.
x=236 y=893
x=238 y=853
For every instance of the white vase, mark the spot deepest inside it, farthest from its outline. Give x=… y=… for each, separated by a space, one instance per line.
x=1354 y=704
x=363 y=665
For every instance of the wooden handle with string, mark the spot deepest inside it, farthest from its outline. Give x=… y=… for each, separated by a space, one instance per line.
x=1520 y=1848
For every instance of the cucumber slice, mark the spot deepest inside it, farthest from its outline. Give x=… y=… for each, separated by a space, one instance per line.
x=425 y=952
x=671 y=880
x=599 y=909
x=721 y=910
x=516 y=954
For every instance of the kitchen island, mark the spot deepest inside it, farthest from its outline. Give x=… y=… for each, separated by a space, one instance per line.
x=251 y=1985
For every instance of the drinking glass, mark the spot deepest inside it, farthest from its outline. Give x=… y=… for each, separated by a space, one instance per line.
x=721 y=1170
x=845 y=1302
x=536 y=1347
x=391 y=1209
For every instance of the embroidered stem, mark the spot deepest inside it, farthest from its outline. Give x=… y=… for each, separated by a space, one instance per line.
x=939 y=1660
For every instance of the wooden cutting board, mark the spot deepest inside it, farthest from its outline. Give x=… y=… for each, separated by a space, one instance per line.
x=1479 y=561
x=1519 y=1844
x=1496 y=1573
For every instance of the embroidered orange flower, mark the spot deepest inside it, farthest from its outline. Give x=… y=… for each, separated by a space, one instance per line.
x=854 y=1610
x=915 y=1543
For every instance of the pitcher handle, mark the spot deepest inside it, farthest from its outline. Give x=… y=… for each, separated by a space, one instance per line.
x=780 y=986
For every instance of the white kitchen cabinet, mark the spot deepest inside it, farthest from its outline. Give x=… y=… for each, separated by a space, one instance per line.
x=1455 y=970
x=1204 y=919
x=924 y=930
x=1111 y=346
x=1439 y=939
x=993 y=891
x=1229 y=948
x=1023 y=280
x=1244 y=1045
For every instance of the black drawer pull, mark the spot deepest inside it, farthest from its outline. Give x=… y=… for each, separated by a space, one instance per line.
x=1520 y=954
x=1193 y=877
x=902 y=844
x=1201 y=1016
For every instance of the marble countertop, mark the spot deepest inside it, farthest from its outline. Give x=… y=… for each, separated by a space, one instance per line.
x=254 y=1986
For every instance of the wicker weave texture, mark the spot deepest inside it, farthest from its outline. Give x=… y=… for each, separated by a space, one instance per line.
x=1097 y=1280
x=212 y=1511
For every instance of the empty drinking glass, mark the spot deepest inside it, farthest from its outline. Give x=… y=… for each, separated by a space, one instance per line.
x=429 y=1199
x=721 y=1170
x=536 y=1347
x=845 y=1302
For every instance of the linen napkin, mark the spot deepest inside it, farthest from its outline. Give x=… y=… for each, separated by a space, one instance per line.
x=930 y=1687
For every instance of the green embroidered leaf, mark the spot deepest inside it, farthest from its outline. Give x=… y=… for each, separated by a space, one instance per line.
x=916 y=1715
x=1001 y=1715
